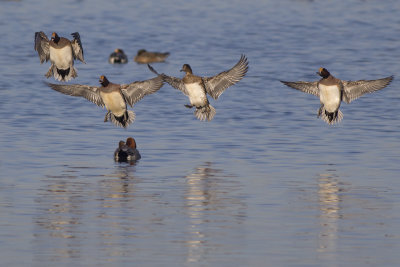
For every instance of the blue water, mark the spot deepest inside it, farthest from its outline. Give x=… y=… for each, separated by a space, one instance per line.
x=265 y=183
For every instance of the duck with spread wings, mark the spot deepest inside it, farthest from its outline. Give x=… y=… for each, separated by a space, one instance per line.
x=114 y=97
x=61 y=52
x=332 y=91
x=197 y=87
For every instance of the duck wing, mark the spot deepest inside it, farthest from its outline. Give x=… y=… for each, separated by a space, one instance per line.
x=307 y=87
x=355 y=89
x=217 y=84
x=91 y=93
x=177 y=83
x=42 y=46
x=135 y=91
x=77 y=47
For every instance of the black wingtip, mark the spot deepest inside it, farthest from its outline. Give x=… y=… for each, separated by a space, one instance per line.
x=152 y=70
x=75 y=34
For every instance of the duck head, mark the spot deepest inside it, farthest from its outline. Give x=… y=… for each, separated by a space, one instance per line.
x=131 y=142
x=121 y=144
x=55 y=38
x=324 y=73
x=186 y=68
x=103 y=80
x=141 y=51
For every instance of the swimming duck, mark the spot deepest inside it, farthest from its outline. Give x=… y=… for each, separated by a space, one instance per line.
x=61 y=52
x=118 y=56
x=145 y=57
x=114 y=97
x=127 y=152
x=332 y=91
x=197 y=88
x=133 y=153
x=121 y=154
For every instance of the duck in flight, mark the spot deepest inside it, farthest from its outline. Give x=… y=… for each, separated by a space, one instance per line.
x=332 y=91
x=196 y=87
x=61 y=52
x=114 y=97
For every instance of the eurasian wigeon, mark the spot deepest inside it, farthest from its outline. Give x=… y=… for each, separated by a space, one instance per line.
x=118 y=57
x=145 y=57
x=332 y=91
x=61 y=52
x=197 y=88
x=114 y=97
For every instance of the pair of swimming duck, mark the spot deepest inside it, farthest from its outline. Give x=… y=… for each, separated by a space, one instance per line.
x=143 y=57
x=115 y=97
x=127 y=151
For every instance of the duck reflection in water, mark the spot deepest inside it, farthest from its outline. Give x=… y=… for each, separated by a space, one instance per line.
x=211 y=195
x=329 y=199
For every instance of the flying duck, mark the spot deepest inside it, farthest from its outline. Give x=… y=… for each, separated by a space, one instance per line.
x=197 y=88
x=113 y=96
x=145 y=57
x=61 y=52
x=332 y=91
x=127 y=152
x=118 y=56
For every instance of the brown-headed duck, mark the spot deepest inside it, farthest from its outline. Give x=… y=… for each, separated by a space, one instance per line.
x=61 y=52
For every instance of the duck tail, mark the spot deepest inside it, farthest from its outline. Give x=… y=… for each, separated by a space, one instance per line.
x=62 y=75
x=205 y=113
x=124 y=120
x=330 y=117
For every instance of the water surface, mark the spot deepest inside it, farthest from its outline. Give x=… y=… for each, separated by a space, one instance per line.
x=265 y=183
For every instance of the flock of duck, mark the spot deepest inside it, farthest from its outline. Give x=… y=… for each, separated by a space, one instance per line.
x=62 y=53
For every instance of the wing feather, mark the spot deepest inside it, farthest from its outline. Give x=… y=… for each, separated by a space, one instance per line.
x=137 y=90
x=173 y=81
x=77 y=47
x=355 y=89
x=42 y=46
x=307 y=87
x=91 y=93
x=217 y=84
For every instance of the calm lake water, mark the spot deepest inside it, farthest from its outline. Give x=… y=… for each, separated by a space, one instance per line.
x=265 y=183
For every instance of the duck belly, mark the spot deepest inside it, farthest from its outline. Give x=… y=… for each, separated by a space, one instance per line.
x=330 y=97
x=62 y=57
x=197 y=95
x=114 y=102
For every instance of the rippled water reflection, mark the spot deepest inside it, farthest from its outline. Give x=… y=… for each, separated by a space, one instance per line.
x=265 y=183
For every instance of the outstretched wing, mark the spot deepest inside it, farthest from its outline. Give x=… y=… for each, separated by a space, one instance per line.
x=173 y=81
x=77 y=47
x=135 y=91
x=177 y=83
x=355 y=89
x=217 y=84
x=307 y=87
x=91 y=93
x=42 y=46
